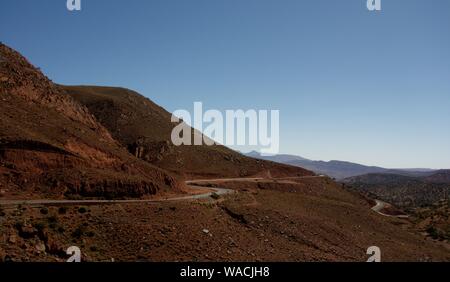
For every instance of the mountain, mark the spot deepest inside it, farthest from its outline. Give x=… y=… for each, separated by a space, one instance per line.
x=52 y=145
x=71 y=142
x=276 y=158
x=337 y=169
x=144 y=128
x=115 y=143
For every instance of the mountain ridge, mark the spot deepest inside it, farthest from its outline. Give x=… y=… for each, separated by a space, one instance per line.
x=52 y=145
x=338 y=169
x=55 y=143
x=144 y=128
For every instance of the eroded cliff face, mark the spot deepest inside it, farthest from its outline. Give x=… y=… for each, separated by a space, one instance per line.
x=51 y=144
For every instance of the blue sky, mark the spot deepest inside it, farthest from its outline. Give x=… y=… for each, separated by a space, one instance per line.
x=369 y=87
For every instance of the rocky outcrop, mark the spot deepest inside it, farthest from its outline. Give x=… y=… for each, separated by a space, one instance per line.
x=51 y=144
x=19 y=77
x=150 y=151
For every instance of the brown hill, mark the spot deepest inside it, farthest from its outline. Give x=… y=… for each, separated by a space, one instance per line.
x=145 y=129
x=51 y=144
x=406 y=192
x=426 y=199
x=441 y=176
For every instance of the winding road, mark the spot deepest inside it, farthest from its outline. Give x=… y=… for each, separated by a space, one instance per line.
x=193 y=184
x=215 y=190
x=381 y=205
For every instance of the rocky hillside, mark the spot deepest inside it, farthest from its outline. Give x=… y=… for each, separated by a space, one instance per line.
x=403 y=191
x=290 y=220
x=426 y=199
x=52 y=145
x=441 y=176
x=107 y=142
x=145 y=129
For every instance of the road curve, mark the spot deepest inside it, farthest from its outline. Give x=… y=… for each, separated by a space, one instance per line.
x=381 y=205
x=190 y=183
x=215 y=190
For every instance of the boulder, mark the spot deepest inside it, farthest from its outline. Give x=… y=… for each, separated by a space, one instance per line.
x=12 y=239
x=43 y=234
x=54 y=247
x=27 y=231
x=40 y=247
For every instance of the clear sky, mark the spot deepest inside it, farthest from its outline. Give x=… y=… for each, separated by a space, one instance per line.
x=368 y=87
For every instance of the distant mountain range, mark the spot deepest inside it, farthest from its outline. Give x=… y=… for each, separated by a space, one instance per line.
x=339 y=169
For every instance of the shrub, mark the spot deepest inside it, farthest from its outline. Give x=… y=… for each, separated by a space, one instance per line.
x=82 y=210
x=52 y=219
x=77 y=233
x=39 y=226
x=435 y=233
x=62 y=210
x=18 y=225
x=215 y=196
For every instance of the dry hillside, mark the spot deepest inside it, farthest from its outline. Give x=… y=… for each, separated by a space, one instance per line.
x=52 y=145
x=145 y=129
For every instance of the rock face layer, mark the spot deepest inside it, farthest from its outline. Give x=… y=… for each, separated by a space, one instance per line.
x=51 y=144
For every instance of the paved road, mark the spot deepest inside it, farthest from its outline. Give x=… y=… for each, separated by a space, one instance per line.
x=381 y=205
x=216 y=190
x=219 y=191
x=190 y=183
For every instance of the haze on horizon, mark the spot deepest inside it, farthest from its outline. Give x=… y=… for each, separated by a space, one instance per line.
x=352 y=85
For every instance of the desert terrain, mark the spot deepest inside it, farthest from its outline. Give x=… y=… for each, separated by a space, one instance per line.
x=93 y=167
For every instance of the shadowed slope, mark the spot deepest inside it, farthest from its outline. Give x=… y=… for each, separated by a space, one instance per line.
x=145 y=129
